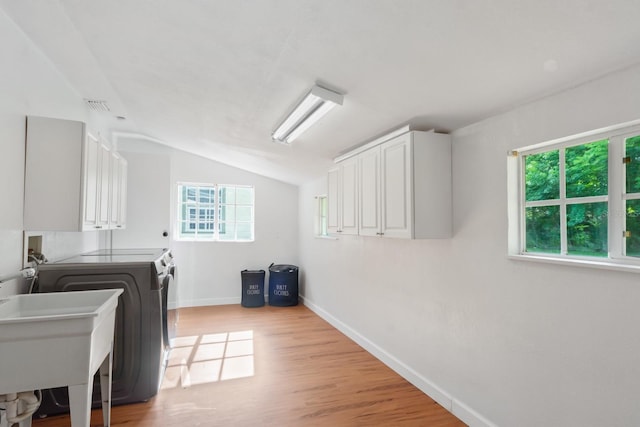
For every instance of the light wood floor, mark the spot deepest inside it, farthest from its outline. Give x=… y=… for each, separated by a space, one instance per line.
x=273 y=366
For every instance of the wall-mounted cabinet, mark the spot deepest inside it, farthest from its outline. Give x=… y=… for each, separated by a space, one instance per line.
x=69 y=178
x=342 y=198
x=403 y=186
x=118 y=196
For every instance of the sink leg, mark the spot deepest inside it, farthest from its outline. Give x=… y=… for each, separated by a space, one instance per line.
x=105 y=388
x=80 y=403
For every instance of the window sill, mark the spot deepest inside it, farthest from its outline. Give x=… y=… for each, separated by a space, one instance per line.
x=599 y=264
x=213 y=241
x=318 y=236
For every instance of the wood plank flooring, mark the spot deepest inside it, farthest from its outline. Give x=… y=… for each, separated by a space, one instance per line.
x=272 y=366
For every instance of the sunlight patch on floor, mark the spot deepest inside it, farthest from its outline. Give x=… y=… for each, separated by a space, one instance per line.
x=209 y=358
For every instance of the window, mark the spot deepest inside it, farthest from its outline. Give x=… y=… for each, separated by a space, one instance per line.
x=321 y=216
x=578 y=198
x=215 y=212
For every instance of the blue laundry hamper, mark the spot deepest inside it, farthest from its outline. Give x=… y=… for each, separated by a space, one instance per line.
x=283 y=285
x=252 y=288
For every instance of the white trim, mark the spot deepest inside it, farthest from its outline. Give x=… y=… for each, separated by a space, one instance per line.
x=451 y=404
x=603 y=264
x=377 y=141
x=202 y=302
x=608 y=131
x=469 y=416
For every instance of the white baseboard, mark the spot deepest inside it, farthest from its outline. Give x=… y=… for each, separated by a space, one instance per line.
x=209 y=301
x=457 y=408
x=469 y=416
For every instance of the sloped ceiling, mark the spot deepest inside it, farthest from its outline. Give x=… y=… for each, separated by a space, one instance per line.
x=214 y=77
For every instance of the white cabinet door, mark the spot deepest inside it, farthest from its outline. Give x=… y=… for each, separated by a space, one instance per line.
x=104 y=182
x=117 y=199
x=90 y=184
x=349 y=190
x=397 y=187
x=53 y=178
x=122 y=195
x=333 y=200
x=369 y=223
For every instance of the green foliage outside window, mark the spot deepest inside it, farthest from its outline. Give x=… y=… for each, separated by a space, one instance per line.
x=542 y=176
x=632 y=208
x=543 y=229
x=585 y=175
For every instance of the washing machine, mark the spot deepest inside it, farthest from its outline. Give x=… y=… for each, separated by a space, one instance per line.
x=144 y=327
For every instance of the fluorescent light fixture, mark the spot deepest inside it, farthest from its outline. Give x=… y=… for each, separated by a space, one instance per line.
x=315 y=104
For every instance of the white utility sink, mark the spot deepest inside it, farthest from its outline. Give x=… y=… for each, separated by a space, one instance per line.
x=59 y=339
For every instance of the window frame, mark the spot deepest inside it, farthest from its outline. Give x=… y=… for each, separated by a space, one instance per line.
x=202 y=236
x=318 y=231
x=320 y=226
x=516 y=203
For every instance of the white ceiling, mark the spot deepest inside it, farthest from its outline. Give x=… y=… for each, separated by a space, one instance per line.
x=214 y=77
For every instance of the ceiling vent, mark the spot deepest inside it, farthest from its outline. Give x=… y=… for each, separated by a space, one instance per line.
x=98 y=105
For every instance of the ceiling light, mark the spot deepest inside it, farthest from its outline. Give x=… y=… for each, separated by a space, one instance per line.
x=315 y=104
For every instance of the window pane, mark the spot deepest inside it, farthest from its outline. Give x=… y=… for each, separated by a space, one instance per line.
x=244 y=196
x=197 y=212
x=586 y=169
x=543 y=229
x=244 y=213
x=206 y=214
x=227 y=195
x=186 y=228
x=633 y=227
x=541 y=176
x=587 y=229
x=227 y=231
x=245 y=231
x=632 y=150
x=206 y=195
x=205 y=226
x=227 y=213
x=190 y=193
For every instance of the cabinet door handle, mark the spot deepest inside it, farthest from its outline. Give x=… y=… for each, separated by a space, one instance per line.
x=379 y=234
x=338 y=231
x=98 y=226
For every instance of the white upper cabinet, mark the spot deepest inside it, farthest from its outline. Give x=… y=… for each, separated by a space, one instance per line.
x=416 y=186
x=349 y=188
x=403 y=186
x=118 y=197
x=90 y=180
x=396 y=190
x=342 y=198
x=370 y=222
x=67 y=177
x=333 y=201
x=104 y=183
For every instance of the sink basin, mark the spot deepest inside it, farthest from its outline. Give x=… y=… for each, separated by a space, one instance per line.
x=54 y=306
x=54 y=339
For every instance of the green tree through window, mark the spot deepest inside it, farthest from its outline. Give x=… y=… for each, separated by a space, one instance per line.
x=567 y=204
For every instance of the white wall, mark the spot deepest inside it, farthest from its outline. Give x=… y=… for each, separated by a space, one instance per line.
x=30 y=85
x=498 y=341
x=148 y=196
x=208 y=272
